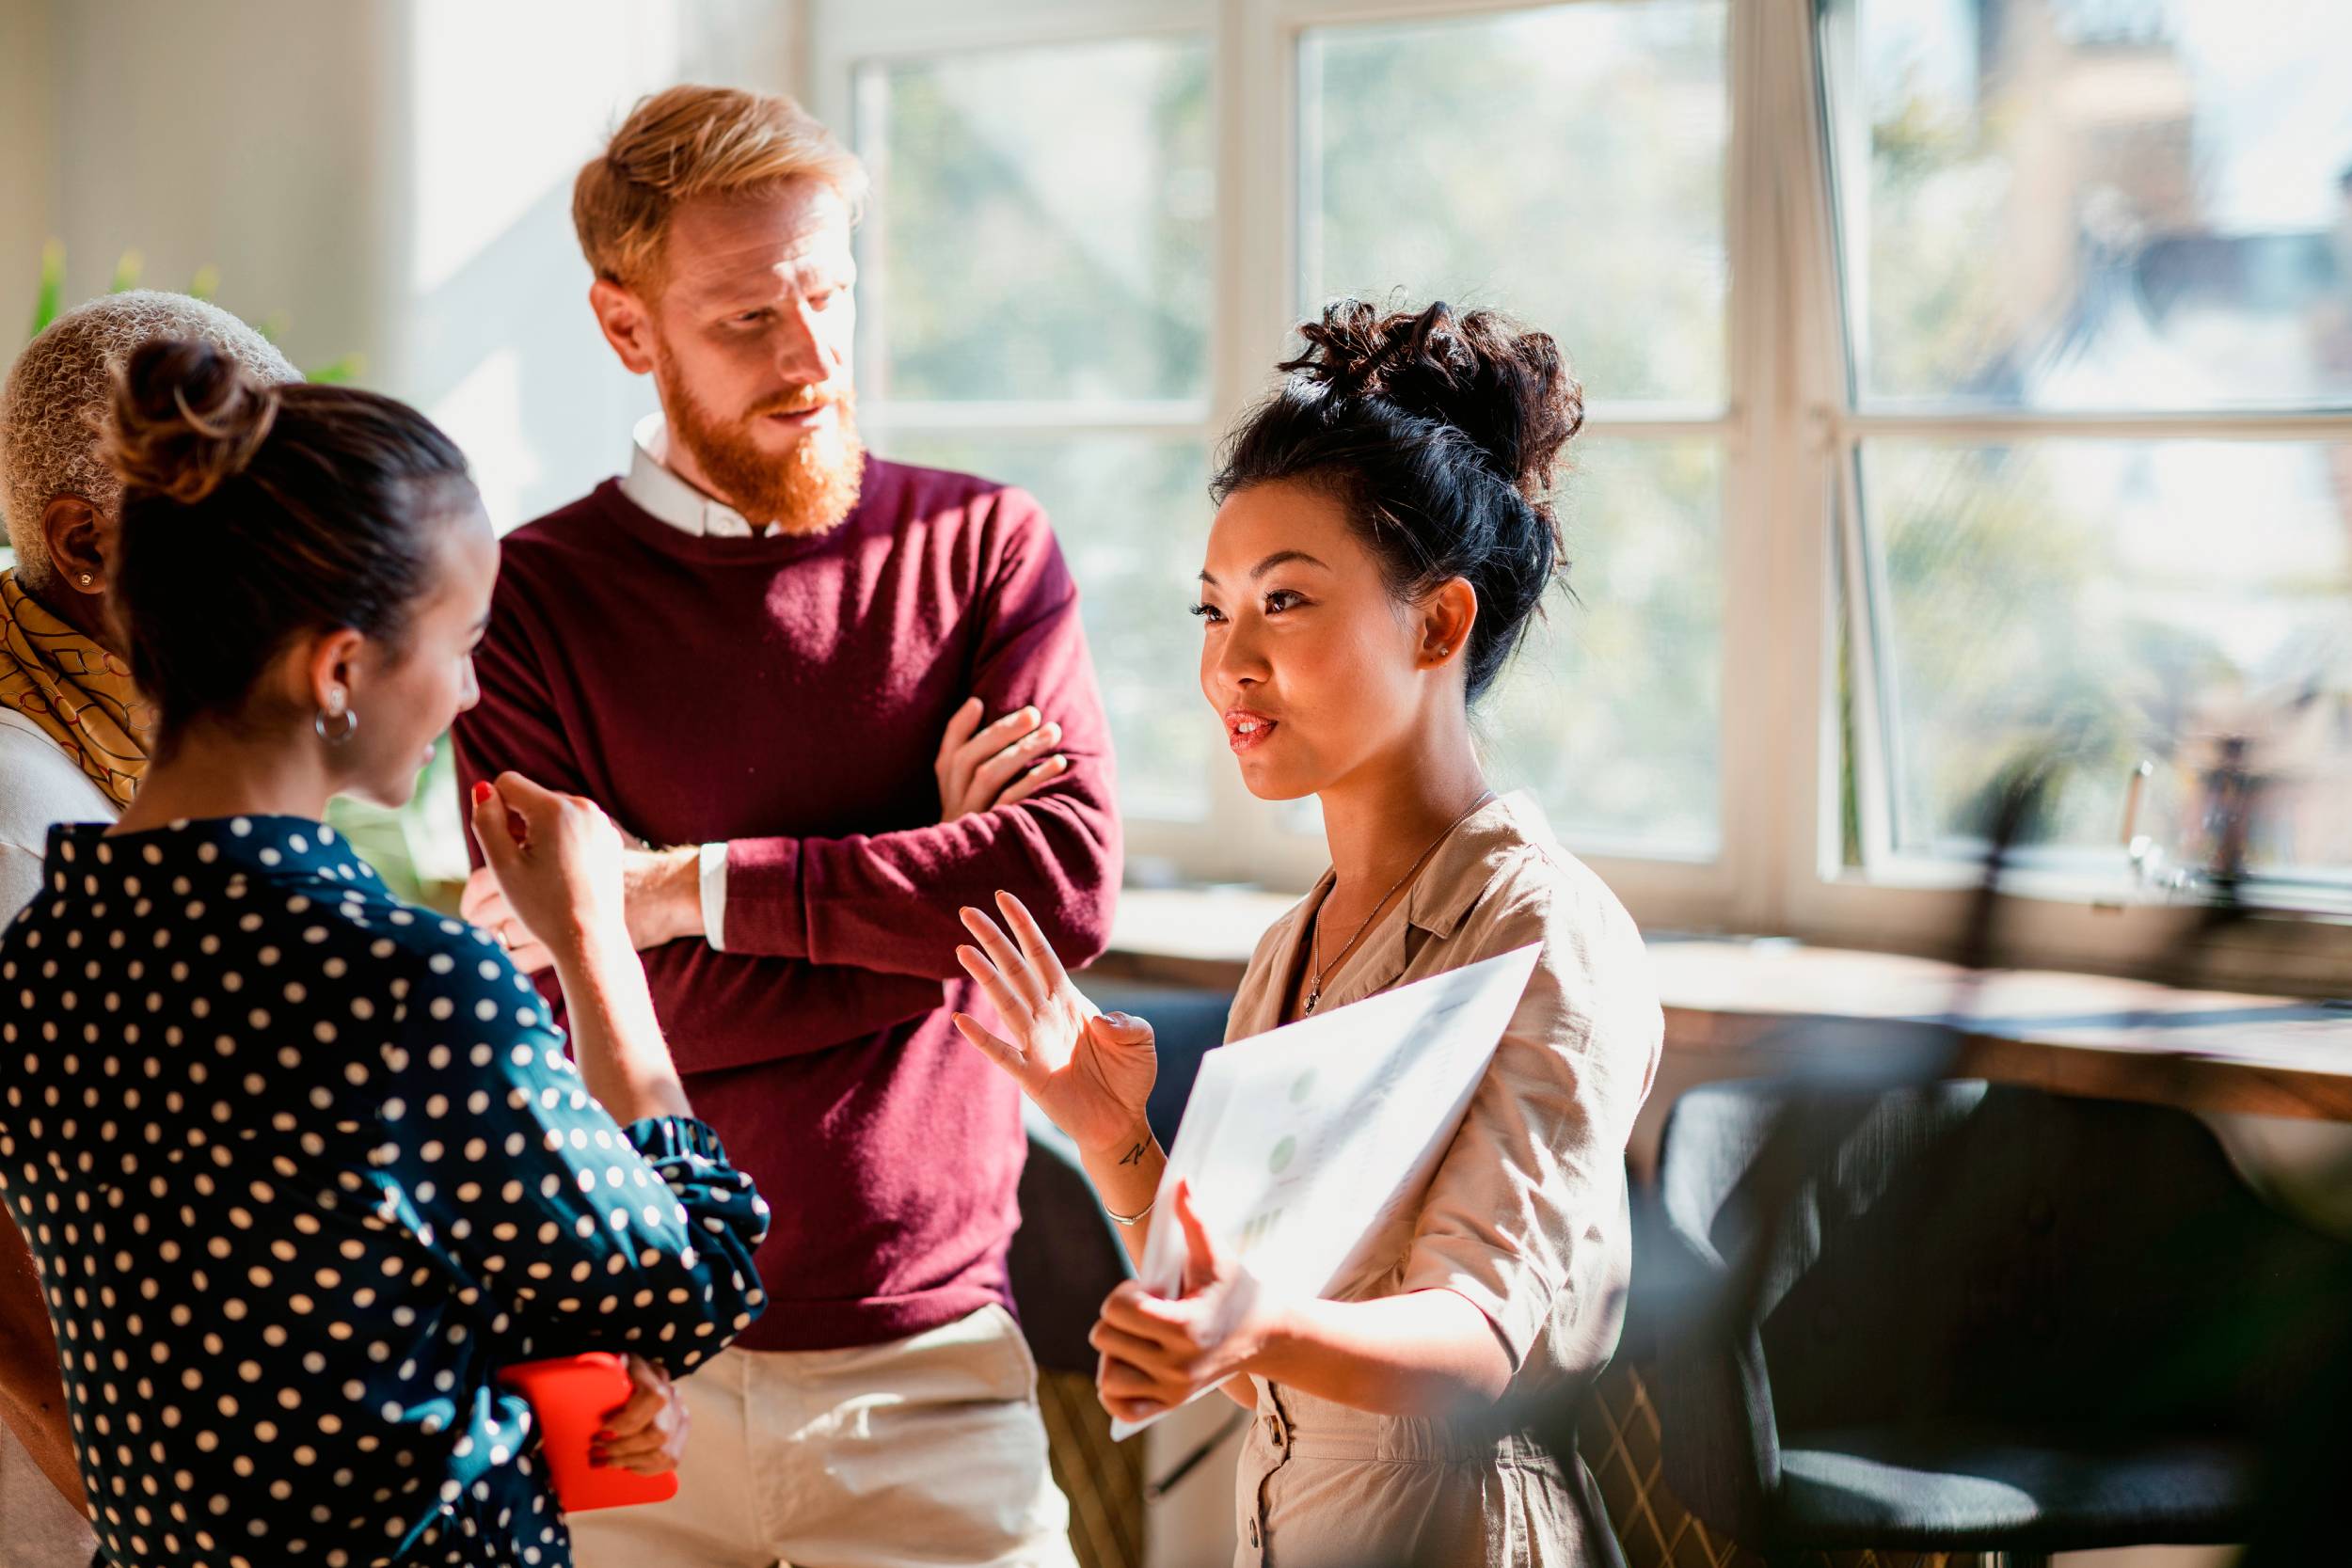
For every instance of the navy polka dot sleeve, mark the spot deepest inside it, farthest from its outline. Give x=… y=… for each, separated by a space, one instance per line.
x=303 y=1167
x=590 y=1235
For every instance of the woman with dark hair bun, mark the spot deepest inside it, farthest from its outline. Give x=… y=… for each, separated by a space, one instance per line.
x=1384 y=535
x=304 y=1167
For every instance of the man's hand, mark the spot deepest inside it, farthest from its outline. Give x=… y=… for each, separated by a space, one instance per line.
x=979 y=768
x=647 y=1435
x=662 y=890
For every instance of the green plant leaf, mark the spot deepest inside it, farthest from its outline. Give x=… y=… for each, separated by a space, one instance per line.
x=50 y=302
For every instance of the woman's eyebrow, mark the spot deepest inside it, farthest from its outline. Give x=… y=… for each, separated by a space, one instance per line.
x=1278 y=558
x=1283 y=558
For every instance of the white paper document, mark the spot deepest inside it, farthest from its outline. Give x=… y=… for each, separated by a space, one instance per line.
x=1303 y=1142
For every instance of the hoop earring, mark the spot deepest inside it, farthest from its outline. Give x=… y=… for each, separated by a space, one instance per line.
x=350 y=718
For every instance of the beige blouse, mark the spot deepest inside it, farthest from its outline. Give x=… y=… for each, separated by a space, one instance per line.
x=1526 y=1216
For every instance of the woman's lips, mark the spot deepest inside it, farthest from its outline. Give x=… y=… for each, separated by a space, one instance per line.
x=1244 y=731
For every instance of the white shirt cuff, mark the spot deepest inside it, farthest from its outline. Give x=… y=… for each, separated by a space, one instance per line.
x=714 y=886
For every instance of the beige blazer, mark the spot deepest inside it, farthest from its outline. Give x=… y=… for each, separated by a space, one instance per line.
x=1525 y=1217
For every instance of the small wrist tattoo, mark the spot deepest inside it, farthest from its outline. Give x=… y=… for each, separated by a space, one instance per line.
x=1134 y=1155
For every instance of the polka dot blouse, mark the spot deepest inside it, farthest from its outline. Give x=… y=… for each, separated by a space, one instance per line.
x=302 y=1166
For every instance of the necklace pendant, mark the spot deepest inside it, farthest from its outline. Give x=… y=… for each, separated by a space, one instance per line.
x=1312 y=997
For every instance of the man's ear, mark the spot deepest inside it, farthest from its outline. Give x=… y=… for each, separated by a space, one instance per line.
x=80 y=539
x=627 y=322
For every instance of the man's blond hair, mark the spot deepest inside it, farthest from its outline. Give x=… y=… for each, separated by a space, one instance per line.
x=690 y=142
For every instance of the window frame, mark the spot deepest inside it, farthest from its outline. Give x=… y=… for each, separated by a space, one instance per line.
x=1907 y=899
x=847 y=35
x=1789 y=431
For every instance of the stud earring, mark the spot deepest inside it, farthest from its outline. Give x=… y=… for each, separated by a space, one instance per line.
x=88 y=579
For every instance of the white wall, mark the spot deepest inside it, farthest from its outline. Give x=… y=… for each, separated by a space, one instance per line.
x=241 y=136
x=499 y=107
x=26 y=159
x=390 y=178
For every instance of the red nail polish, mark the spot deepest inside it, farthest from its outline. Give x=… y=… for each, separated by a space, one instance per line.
x=482 y=791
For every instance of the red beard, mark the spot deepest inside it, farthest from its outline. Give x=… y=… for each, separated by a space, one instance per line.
x=807 y=490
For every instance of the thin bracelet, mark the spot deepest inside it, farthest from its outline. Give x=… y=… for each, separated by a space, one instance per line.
x=1136 y=1218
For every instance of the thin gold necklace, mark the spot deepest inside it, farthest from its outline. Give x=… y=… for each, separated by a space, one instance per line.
x=1314 y=937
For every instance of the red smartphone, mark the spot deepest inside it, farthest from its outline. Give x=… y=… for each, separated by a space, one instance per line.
x=571 y=1396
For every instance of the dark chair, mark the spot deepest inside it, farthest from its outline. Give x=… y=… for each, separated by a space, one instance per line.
x=1989 y=1318
x=1187 y=1024
x=1066 y=1257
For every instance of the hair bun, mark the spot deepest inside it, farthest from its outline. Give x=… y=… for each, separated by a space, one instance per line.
x=1505 y=387
x=185 y=417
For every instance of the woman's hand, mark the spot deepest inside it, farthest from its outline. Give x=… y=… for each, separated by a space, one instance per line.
x=1156 y=1354
x=557 y=862
x=662 y=888
x=647 y=1435
x=559 y=865
x=485 y=904
x=1089 y=1071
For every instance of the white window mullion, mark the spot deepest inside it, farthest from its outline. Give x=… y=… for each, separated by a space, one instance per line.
x=1777 y=562
x=1876 y=760
x=1031 y=419
x=1754 y=699
x=855 y=30
x=1255 y=77
x=1299 y=14
x=1799 y=388
x=2001 y=425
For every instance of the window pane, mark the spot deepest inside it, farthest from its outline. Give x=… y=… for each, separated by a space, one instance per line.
x=1612 y=713
x=1565 y=164
x=1039 y=226
x=2120 y=601
x=1132 y=514
x=2096 y=203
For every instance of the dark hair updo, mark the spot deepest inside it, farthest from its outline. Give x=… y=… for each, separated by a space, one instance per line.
x=253 y=513
x=1439 y=433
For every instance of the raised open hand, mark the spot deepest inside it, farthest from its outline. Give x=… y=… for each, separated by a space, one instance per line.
x=1089 y=1073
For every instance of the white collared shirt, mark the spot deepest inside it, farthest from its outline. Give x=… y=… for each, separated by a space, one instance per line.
x=657 y=489
x=40 y=787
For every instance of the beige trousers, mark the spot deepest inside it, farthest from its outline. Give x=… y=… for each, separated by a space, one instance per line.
x=38 y=1529
x=927 y=1450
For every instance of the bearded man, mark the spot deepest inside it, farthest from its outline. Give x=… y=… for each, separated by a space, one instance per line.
x=855 y=695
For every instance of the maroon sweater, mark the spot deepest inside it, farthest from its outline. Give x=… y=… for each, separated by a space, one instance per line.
x=787 y=696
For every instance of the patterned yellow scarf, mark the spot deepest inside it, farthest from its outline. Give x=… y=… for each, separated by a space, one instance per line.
x=78 y=693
